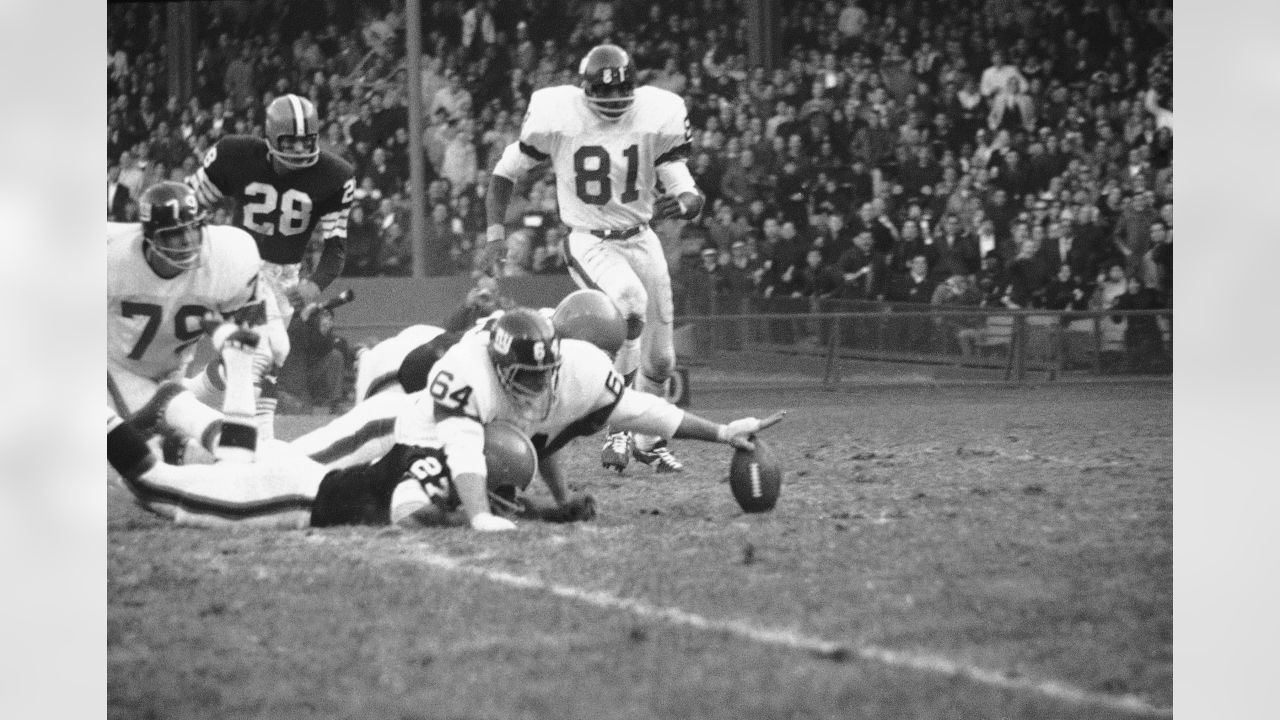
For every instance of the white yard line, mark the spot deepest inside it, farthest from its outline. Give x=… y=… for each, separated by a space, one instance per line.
x=789 y=639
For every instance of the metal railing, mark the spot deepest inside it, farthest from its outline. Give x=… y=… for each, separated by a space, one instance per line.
x=822 y=337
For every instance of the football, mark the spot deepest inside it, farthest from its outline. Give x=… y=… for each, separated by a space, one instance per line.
x=755 y=478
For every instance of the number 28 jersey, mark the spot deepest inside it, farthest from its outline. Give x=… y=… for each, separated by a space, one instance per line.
x=152 y=322
x=605 y=170
x=279 y=211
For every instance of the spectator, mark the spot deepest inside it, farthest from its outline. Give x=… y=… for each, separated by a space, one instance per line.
x=1110 y=284
x=1028 y=275
x=118 y=196
x=240 y=79
x=1065 y=292
x=1132 y=235
x=914 y=287
x=998 y=75
x=1143 y=340
x=460 y=162
x=1158 y=262
x=992 y=282
x=950 y=295
x=314 y=374
x=452 y=99
x=957 y=251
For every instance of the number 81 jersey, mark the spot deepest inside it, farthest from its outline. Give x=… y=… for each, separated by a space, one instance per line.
x=605 y=169
x=152 y=322
x=278 y=210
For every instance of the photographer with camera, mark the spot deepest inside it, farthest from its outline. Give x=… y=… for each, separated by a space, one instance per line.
x=314 y=376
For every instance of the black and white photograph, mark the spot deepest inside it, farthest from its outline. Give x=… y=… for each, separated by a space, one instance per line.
x=652 y=359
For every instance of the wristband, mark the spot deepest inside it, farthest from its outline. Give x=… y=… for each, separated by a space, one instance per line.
x=722 y=434
x=496 y=232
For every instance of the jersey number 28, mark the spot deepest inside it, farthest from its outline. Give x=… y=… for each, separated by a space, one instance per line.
x=591 y=175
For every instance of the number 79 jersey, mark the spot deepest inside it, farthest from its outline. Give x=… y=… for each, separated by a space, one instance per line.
x=152 y=322
x=279 y=211
x=605 y=170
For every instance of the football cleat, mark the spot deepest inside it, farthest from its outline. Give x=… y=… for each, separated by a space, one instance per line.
x=617 y=451
x=660 y=458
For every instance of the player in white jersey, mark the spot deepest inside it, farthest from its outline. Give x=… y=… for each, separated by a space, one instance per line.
x=552 y=389
x=612 y=145
x=165 y=274
x=518 y=375
x=378 y=367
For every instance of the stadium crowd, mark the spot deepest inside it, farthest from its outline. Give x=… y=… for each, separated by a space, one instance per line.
x=976 y=152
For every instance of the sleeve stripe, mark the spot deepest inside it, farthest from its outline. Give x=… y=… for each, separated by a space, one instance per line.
x=533 y=152
x=679 y=152
x=334 y=224
x=206 y=191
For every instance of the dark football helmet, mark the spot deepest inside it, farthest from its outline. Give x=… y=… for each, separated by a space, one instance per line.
x=525 y=352
x=172 y=224
x=591 y=316
x=608 y=77
x=292 y=128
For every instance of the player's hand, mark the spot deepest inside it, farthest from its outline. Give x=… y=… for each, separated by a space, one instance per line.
x=667 y=207
x=579 y=508
x=738 y=433
x=308 y=292
x=488 y=522
x=229 y=335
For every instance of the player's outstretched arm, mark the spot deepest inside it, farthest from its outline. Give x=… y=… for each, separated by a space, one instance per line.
x=737 y=433
x=496 y=202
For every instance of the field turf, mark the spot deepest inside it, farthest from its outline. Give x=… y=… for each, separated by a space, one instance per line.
x=973 y=552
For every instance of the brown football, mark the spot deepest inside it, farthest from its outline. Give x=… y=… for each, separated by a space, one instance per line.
x=755 y=478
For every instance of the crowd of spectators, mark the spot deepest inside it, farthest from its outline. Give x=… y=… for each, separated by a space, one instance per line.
x=997 y=152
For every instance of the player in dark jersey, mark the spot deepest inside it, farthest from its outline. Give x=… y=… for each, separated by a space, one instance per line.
x=284 y=187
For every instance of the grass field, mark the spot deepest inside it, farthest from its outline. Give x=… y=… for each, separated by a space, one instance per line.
x=962 y=553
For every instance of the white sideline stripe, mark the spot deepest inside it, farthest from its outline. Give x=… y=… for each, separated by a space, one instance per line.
x=790 y=639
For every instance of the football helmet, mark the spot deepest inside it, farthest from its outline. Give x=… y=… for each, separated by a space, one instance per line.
x=172 y=224
x=509 y=456
x=525 y=352
x=591 y=316
x=292 y=128
x=608 y=77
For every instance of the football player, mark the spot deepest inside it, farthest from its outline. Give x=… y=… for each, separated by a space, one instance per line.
x=399 y=366
x=165 y=274
x=554 y=390
x=612 y=145
x=284 y=186
x=284 y=489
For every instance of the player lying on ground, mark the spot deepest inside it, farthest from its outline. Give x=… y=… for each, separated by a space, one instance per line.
x=277 y=486
x=611 y=145
x=518 y=370
x=165 y=274
x=439 y=462
x=400 y=365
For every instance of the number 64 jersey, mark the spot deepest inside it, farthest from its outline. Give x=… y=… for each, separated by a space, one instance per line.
x=463 y=394
x=605 y=169
x=152 y=322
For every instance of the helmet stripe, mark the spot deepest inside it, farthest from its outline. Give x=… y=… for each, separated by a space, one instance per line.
x=299 y=115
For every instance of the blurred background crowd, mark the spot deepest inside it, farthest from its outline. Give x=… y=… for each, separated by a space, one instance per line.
x=1003 y=153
